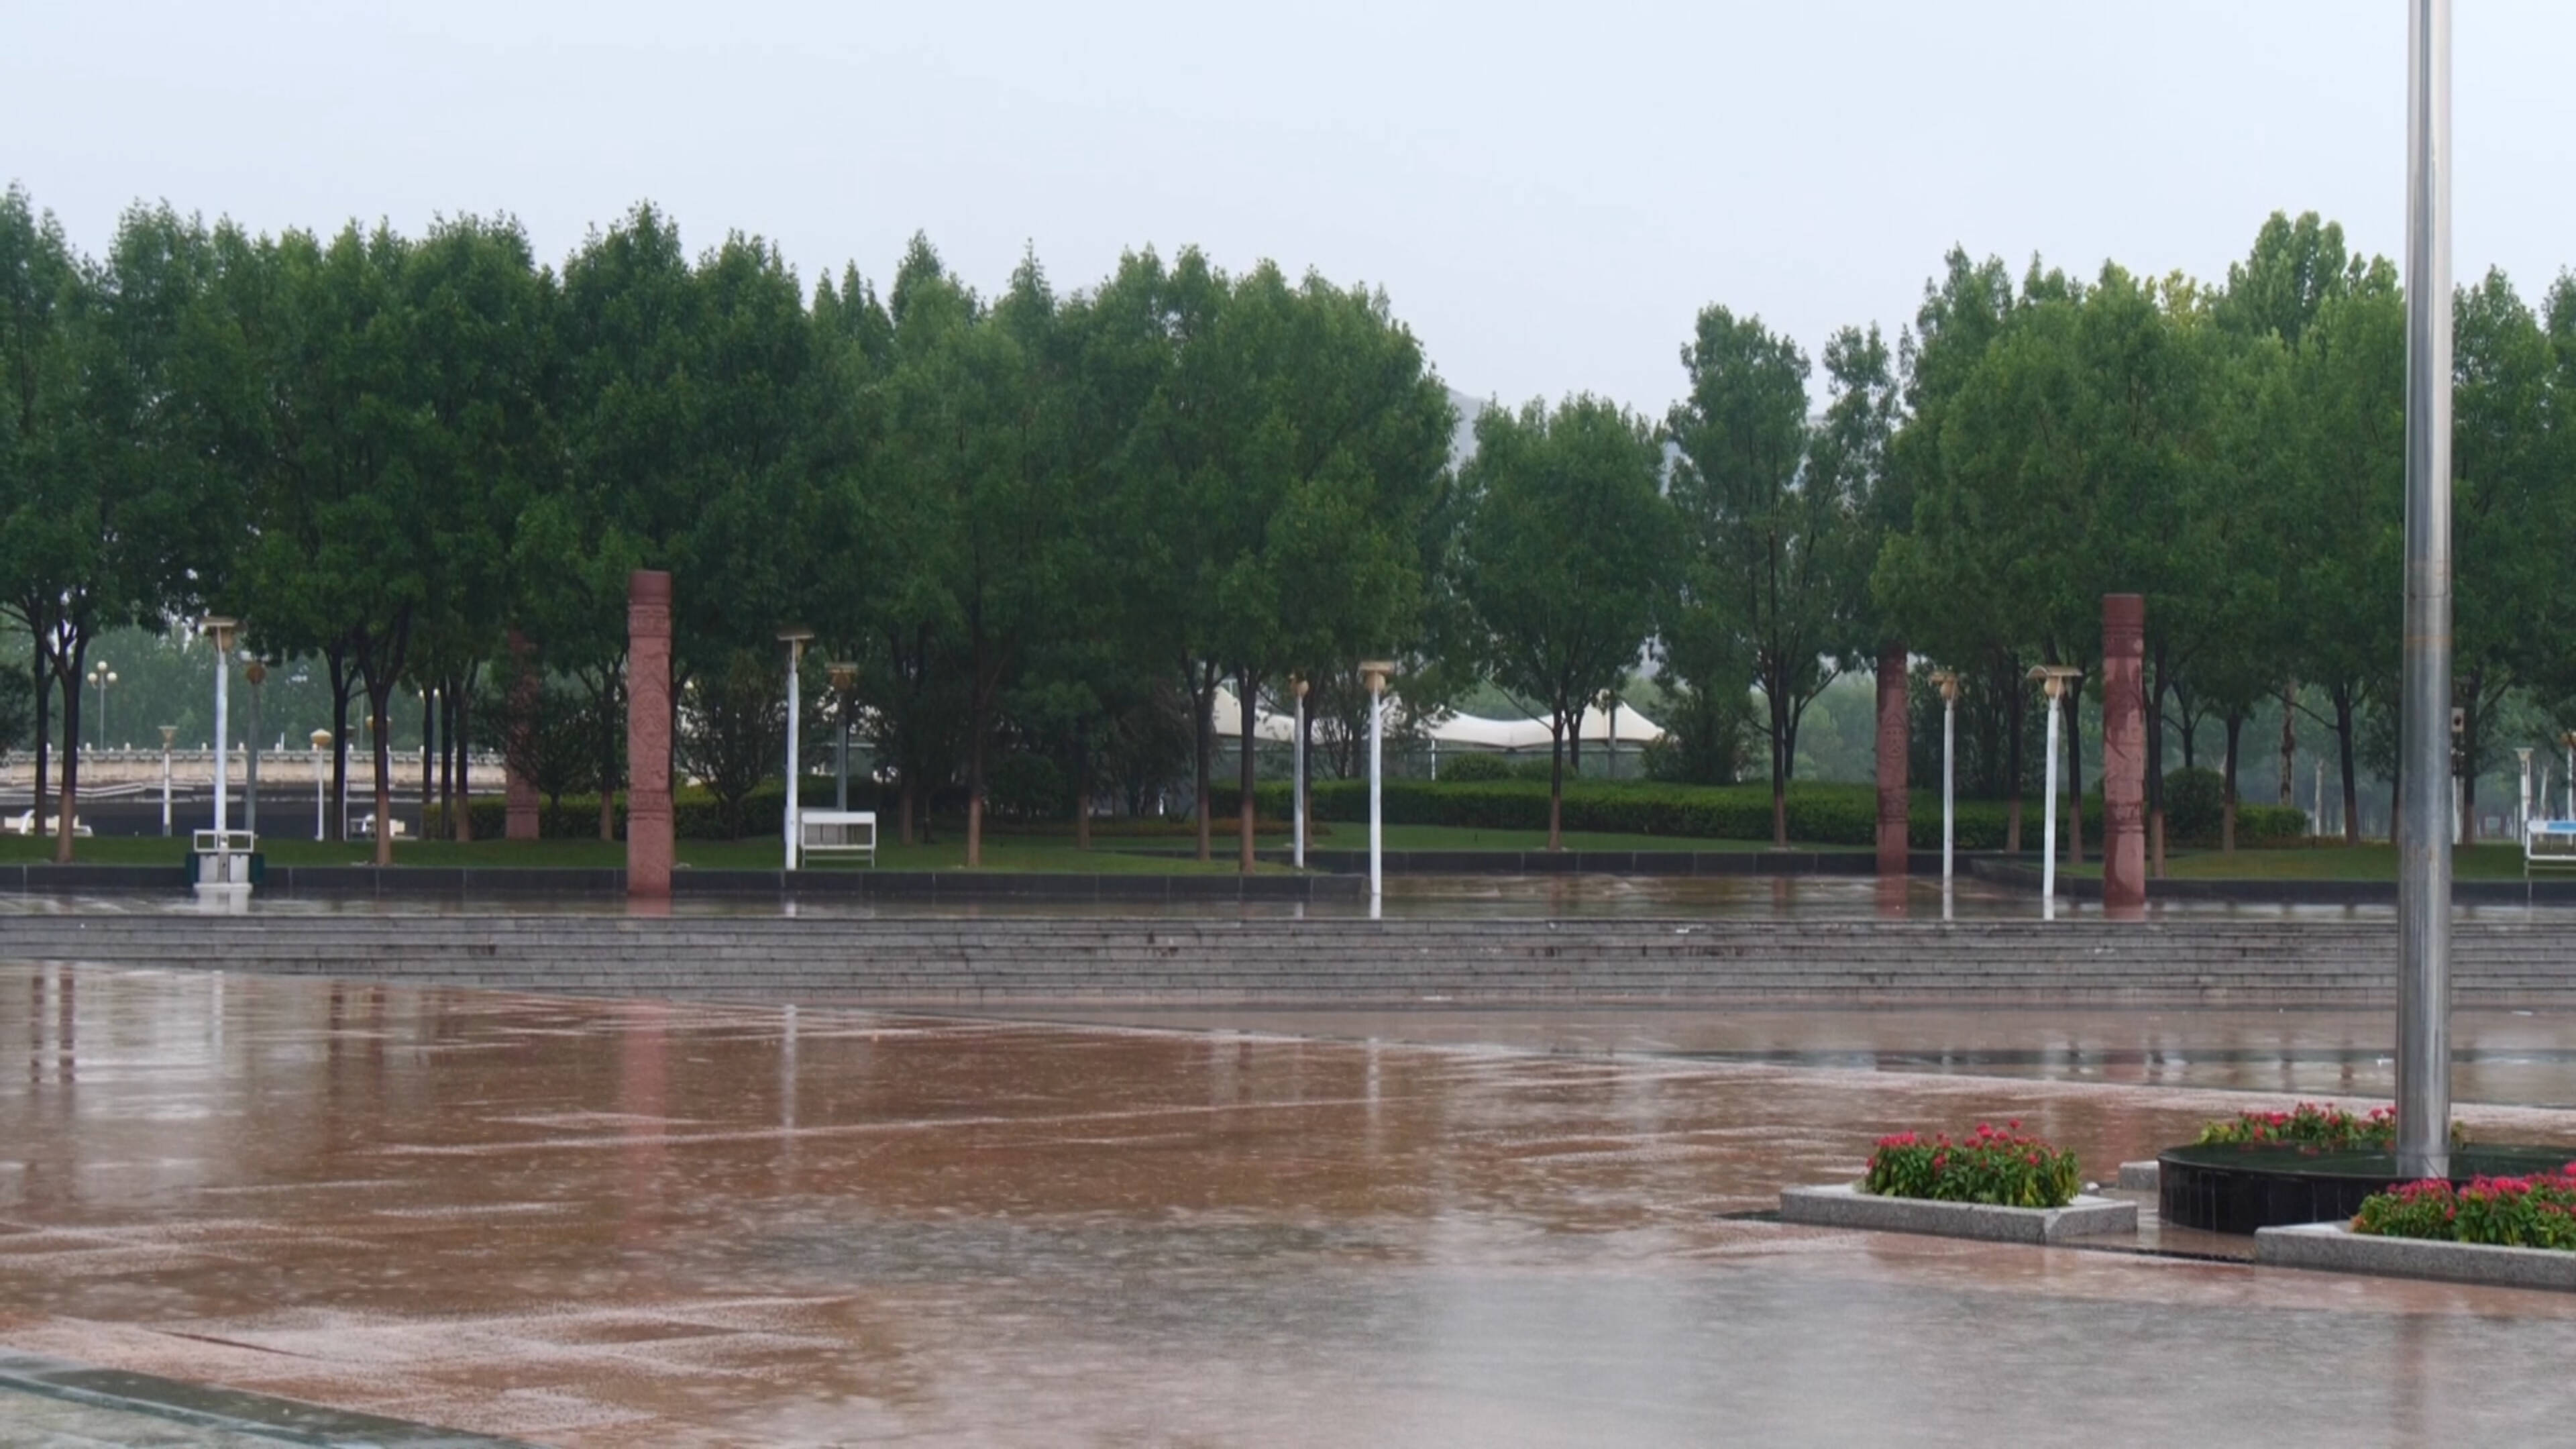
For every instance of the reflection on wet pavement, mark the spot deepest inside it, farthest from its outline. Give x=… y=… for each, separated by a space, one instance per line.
x=1407 y=897
x=617 y=1222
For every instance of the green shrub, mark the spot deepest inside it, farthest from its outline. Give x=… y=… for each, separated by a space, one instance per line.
x=2506 y=1212
x=2196 y=814
x=695 y=813
x=1474 y=769
x=1540 y=770
x=1995 y=1165
x=2194 y=800
x=1818 y=814
x=1024 y=786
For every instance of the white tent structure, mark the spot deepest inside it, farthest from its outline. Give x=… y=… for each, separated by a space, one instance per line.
x=1624 y=726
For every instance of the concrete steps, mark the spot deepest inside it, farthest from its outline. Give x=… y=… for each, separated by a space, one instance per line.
x=946 y=961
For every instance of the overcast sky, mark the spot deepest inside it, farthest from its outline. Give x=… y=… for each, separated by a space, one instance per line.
x=1547 y=192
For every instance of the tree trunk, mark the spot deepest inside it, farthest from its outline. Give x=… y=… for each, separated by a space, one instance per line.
x=2345 y=769
x=40 y=806
x=1203 y=751
x=1306 y=751
x=2074 y=772
x=903 y=827
x=2227 y=796
x=428 y=760
x=2156 y=766
x=1780 y=764
x=2464 y=747
x=337 y=827
x=2289 y=743
x=1556 y=785
x=67 y=818
x=1248 y=773
x=379 y=703
x=1082 y=794
x=2014 y=704
x=976 y=730
x=462 y=736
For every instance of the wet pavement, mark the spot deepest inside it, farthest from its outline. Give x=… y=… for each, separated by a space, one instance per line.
x=590 y=1222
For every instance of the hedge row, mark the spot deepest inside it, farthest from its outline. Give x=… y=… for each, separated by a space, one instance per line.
x=694 y=815
x=1818 y=814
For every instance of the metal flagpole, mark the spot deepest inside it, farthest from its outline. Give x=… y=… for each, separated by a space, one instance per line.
x=2424 y=834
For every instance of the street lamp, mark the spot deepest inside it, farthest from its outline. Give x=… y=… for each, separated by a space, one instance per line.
x=169 y=733
x=257 y=674
x=1376 y=671
x=321 y=781
x=2052 y=678
x=2569 y=739
x=429 y=757
x=100 y=676
x=2523 y=811
x=795 y=640
x=1297 y=786
x=845 y=675
x=1948 y=682
x=220 y=629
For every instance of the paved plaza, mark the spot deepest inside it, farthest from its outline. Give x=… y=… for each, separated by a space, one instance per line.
x=595 y=1222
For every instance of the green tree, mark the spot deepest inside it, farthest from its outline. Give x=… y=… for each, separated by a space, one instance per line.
x=1562 y=559
x=39 y=278
x=115 y=514
x=2510 y=513
x=1781 y=542
x=2344 y=523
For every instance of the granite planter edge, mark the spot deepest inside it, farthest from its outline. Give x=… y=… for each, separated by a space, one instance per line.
x=2334 y=1247
x=1844 y=1205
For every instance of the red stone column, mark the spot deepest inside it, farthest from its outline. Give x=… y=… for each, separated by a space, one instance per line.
x=648 y=734
x=521 y=791
x=2124 y=753
x=1894 y=734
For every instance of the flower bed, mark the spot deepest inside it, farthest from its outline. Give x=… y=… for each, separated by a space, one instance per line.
x=2000 y=1166
x=2322 y=1126
x=2538 y=1211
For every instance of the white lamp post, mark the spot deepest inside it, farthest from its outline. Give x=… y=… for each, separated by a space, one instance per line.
x=2523 y=809
x=1375 y=671
x=2571 y=778
x=220 y=629
x=1297 y=784
x=795 y=640
x=169 y=734
x=101 y=677
x=1948 y=681
x=2052 y=678
x=321 y=782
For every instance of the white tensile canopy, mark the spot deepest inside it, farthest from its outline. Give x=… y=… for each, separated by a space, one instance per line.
x=1458 y=731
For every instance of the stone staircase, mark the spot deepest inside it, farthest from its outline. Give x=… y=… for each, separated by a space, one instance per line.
x=972 y=962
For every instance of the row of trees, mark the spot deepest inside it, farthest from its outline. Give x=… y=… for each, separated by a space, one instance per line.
x=1044 y=526
x=1029 y=520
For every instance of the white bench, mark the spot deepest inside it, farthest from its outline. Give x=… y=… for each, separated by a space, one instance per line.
x=837 y=832
x=24 y=823
x=2548 y=844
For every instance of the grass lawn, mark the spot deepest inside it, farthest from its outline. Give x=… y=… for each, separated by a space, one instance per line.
x=1007 y=847
x=1348 y=836
x=2324 y=862
x=947 y=853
